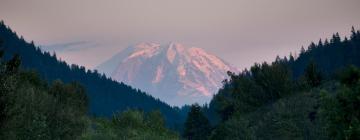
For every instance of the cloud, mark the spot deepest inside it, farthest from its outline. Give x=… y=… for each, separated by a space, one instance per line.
x=70 y=46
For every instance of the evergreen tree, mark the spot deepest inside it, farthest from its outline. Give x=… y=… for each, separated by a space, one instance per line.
x=326 y=43
x=312 y=75
x=197 y=126
x=353 y=33
x=13 y=65
x=155 y=121
x=350 y=76
x=291 y=58
x=302 y=51
x=274 y=79
x=320 y=44
x=312 y=46
x=336 y=39
x=340 y=113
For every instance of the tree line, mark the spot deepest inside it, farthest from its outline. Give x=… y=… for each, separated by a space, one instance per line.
x=313 y=96
x=105 y=96
x=31 y=108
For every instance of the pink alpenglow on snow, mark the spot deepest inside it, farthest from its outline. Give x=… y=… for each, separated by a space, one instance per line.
x=173 y=73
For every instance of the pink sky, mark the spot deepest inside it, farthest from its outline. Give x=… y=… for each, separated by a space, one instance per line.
x=88 y=32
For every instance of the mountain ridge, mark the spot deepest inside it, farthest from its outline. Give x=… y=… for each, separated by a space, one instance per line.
x=195 y=75
x=106 y=96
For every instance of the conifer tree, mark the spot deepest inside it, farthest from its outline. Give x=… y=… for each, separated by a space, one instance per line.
x=312 y=46
x=341 y=112
x=320 y=44
x=291 y=58
x=326 y=42
x=353 y=33
x=312 y=75
x=197 y=126
x=302 y=51
x=13 y=65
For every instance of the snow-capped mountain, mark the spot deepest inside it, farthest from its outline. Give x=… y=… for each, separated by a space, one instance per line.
x=173 y=73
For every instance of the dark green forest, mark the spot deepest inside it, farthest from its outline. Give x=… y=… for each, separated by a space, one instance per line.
x=315 y=95
x=105 y=95
x=32 y=109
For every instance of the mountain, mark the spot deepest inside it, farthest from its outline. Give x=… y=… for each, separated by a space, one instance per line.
x=106 y=96
x=174 y=73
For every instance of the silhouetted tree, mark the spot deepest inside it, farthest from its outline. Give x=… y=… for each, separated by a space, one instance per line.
x=13 y=65
x=313 y=75
x=197 y=126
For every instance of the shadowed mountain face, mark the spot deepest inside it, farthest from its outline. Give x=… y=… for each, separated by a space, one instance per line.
x=174 y=73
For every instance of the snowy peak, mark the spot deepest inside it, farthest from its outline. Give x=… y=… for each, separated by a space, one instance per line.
x=174 y=73
x=172 y=50
x=145 y=50
x=146 y=45
x=176 y=46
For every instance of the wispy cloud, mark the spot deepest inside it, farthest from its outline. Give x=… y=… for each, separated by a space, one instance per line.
x=70 y=46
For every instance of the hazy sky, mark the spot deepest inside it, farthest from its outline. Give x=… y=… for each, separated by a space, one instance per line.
x=88 y=32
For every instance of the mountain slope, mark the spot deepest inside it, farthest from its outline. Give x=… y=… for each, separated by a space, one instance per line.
x=174 y=73
x=330 y=55
x=243 y=108
x=106 y=96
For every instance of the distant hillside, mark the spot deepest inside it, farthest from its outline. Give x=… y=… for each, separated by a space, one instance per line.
x=106 y=96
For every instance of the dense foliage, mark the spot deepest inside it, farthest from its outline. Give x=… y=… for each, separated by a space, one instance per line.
x=30 y=108
x=197 y=126
x=105 y=95
x=329 y=56
x=313 y=96
x=340 y=112
x=131 y=124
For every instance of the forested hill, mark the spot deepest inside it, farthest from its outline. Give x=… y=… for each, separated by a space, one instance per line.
x=105 y=95
x=313 y=96
x=329 y=55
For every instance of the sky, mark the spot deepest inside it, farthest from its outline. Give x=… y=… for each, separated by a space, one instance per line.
x=242 y=32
